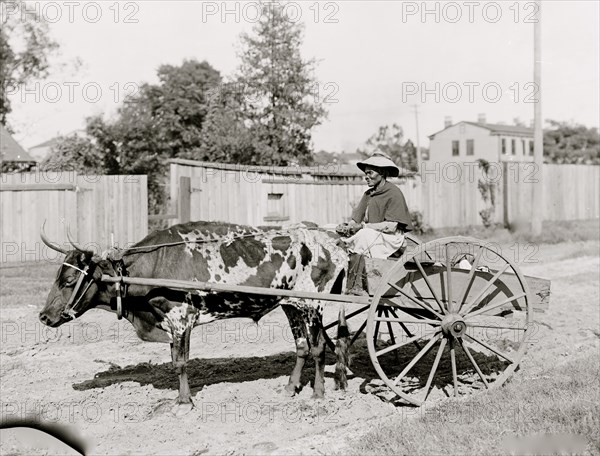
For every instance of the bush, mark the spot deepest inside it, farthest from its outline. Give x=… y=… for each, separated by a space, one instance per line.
x=419 y=227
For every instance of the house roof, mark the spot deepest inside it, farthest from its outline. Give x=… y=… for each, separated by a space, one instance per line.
x=10 y=150
x=495 y=129
x=49 y=143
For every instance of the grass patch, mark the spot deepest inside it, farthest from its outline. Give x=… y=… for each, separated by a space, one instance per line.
x=562 y=401
x=553 y=232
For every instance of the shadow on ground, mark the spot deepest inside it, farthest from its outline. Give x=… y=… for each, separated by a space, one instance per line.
x=209 y=371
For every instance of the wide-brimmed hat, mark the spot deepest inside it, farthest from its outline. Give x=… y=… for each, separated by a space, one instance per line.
x=380 y=160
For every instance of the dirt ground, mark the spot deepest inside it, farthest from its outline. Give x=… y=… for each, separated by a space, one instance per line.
x=116 y=391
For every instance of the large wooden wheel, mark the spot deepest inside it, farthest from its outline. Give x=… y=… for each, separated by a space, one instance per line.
x=458 y=315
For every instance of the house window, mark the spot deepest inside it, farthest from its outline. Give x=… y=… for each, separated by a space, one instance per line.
x=530 y=147
x=455 y=148
x=276 y=211
x=513 y=146
x=470 y=147
x=523 y=147
x=503 y=146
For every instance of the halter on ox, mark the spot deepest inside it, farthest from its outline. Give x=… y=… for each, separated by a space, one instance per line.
x=159 y=312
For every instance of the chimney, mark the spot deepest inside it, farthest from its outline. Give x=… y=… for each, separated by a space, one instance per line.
x=447 y=121
x=481 y=118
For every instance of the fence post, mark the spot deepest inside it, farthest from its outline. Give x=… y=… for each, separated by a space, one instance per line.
x=184 y=200
x=505 y=195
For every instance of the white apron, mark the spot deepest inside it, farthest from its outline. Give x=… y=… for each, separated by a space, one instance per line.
x=374 y=244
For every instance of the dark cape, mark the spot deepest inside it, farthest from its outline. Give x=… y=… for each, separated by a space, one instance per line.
x=386 y=204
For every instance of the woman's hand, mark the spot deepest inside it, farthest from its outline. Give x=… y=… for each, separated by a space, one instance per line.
x=384 y=227
x=348 y=229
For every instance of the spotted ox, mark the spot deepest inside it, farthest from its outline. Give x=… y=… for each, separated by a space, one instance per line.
x=293 y=259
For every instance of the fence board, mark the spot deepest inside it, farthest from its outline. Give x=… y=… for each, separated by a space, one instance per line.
x=571 y=193
x=93 y=206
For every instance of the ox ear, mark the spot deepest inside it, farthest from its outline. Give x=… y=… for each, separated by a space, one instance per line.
x=102 y=266
x=84 y=258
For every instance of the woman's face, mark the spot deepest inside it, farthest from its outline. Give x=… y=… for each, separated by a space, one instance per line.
x=372 y=176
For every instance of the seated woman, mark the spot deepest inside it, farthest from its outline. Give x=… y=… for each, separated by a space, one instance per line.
x=378 y=222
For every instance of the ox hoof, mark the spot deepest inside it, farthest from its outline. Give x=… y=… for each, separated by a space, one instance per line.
x=318 y=395
x=170 y=407
x=291 y=391
x=183 y=408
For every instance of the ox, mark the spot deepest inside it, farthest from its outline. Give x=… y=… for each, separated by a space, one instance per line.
x=301 y=258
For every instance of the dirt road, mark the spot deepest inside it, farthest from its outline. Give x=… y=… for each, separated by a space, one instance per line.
x=116 y=391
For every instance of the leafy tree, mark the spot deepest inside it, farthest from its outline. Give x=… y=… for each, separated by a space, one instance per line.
x=159 y=122
x=571 y=143
x=75 y=153
x=279 y=102
x=325 y=158
x=389 y=140
x=225 y=137
x=25 y=48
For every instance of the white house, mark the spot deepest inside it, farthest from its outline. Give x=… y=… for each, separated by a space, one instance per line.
x=470 y=141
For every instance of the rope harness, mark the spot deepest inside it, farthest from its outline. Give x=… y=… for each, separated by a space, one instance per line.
x=70 y=310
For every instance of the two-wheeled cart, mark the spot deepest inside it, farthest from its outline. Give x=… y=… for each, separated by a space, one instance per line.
x=450 y=316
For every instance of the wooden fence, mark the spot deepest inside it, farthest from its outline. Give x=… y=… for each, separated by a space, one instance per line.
x=101 y=211
x=447 y=195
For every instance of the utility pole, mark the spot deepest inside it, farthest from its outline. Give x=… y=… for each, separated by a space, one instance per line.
x=537 y=200
x=418 y=146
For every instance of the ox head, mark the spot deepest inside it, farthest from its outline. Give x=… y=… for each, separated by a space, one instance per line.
x=78 y=285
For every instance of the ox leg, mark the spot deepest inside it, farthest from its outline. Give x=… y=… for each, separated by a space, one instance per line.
x=180 y=354
x=302 y=349
x=317 y=350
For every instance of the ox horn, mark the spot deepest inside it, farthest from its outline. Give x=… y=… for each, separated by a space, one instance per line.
x=74 y=244
x=48 y=242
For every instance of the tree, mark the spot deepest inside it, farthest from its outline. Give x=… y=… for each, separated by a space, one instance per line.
x=225 y=137
x=25 y=49
x=279 y=102
x=571 y=143
x=74 y=153
x=389 y=140
x=159 y=122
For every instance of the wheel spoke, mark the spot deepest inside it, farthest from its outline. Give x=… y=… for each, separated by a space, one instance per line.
x=491 y=282
x=434 y=367
x=453 y=361
x=357 y=333
x=392 y=338
x=474 y=267
x=435 y=296
x=490 y=326
x=448 y=282
x=495 y=306
x=490 y=348
x=416 y=301
x=404 y=320
x=349 y=316
x=403 y=326
x=470 y=356
x=406 y=342
x=416 y=359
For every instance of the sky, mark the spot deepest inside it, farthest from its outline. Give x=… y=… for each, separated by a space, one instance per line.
x=378 y=61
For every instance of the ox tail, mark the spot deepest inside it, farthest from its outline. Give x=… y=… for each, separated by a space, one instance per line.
x=342 y=352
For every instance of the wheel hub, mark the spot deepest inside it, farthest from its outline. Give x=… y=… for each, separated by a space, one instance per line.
x=453 y=325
